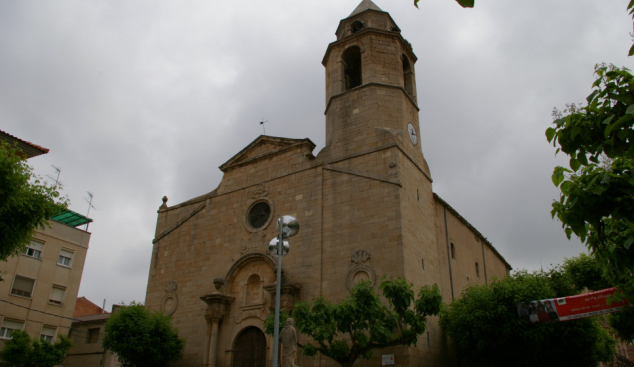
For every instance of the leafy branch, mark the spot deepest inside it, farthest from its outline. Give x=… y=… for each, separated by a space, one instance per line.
x=351 y=329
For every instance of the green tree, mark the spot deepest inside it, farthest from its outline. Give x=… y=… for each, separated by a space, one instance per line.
x=361 y=323
x=26 y=202
x=463 y=3
x=630 y=8
x=22 y=351
x=585 y=272
x=597 y=192
x=484 y=325
x=623 y=323
x=142 y=338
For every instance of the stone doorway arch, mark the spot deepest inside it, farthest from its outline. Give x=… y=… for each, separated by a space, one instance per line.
x=249 y=349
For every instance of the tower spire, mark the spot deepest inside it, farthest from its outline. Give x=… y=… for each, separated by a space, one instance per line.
x=363 y=6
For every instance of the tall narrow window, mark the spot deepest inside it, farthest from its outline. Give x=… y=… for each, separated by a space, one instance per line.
x=22 y=286
x=453 y=251
x=351 y=60
x=65 y=258
x=9 y=326
x=408 y=77
x=57 y=295
x=34 y=249
x=478 y=270
x=422 y=263
x=48 y=333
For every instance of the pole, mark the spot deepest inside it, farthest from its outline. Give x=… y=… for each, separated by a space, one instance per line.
x=278 y=288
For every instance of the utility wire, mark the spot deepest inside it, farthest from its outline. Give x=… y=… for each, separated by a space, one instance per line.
x=28 y=308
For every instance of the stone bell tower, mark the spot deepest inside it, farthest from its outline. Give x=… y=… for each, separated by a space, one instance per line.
x=370 y=85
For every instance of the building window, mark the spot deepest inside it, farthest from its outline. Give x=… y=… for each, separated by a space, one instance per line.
x=453 y=251
x=9 y=326
x=351 y=60
x=22 y=286
x=408 y=80
x=478 y=270
x=422 y=262
x=34 y=249
x=93 y=336
x=65 y=258
x=48 y=333
x=259 y=214
x=57 y=295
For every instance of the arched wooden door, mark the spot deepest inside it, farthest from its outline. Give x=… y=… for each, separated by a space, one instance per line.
x=250 y=348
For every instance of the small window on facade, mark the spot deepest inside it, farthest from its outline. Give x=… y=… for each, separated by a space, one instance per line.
x=453 y=251
x=408 y=82
x=48 y=333
x=34 y=249
x=22 y=286
x=478 y=269
x=65 y=258
x=9 y=326
x=93 y=336
x=57 y=295
x=422 y=262
x=351 y=60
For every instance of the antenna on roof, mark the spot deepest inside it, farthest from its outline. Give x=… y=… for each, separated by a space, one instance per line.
x=58 y=170
x=89 y=201
x=262 y=123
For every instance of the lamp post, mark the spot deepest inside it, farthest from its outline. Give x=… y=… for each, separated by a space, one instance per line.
x=288 y=227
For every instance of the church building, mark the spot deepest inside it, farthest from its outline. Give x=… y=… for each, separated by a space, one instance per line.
x=365 y=204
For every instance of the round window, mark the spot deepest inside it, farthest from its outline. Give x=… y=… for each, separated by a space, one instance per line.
x=259 y=214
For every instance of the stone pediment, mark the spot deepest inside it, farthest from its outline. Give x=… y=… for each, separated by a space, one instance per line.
x=264 y=146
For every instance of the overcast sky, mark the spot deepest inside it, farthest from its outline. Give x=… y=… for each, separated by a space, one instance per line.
x=140 y=99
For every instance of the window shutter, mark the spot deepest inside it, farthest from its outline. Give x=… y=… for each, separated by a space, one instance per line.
x=49 y=330
x=15 y=325
x=67 y=254
x=57 y=294
x=23 y=284
x=36 y=246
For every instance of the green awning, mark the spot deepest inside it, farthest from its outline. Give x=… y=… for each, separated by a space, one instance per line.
x=71 y=218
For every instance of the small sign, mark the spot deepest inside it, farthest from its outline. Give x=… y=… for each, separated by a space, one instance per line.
x=388 y=359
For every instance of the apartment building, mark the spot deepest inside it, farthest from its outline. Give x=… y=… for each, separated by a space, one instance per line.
x=40 y=286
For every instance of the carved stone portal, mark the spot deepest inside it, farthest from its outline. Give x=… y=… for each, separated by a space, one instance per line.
x=360 y=271
x=217 y=307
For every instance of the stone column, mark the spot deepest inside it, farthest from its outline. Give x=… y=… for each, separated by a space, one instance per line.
x=217 y=307
x=213 y=321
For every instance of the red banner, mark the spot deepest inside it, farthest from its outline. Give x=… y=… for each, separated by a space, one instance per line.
x=570 y=308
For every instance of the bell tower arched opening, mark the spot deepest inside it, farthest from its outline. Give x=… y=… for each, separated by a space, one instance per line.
x=351 y=60
x=408 y=77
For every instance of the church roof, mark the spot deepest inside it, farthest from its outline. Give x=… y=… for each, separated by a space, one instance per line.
x=363 y=6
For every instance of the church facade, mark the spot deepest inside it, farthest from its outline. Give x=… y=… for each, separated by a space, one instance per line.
x=365 y=204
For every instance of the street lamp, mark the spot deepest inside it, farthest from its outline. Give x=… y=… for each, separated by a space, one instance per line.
x=288 y=227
